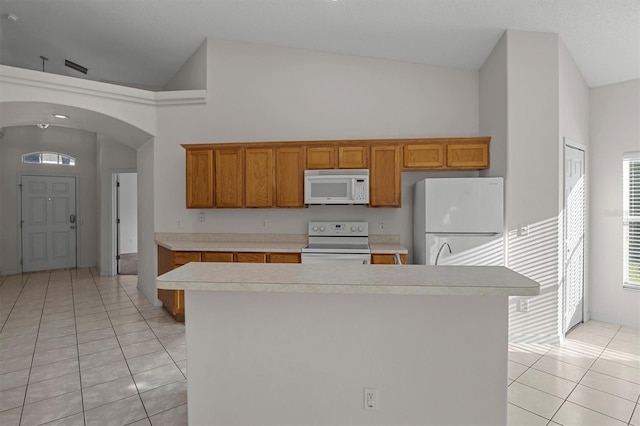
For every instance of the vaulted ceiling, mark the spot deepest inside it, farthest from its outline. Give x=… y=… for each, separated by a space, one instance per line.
x=144 y=42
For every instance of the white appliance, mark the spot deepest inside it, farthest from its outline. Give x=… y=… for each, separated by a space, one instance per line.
x=346 y=186
x=337 y=242
x=458 y=221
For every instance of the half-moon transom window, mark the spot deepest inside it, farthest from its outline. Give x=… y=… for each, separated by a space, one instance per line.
x=48 y=158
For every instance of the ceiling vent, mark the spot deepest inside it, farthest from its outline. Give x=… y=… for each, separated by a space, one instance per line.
x=75 y=66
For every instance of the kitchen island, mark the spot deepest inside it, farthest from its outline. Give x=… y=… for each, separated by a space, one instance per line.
x=292 y=344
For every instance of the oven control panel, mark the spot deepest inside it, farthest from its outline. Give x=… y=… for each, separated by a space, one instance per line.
x=346 y=229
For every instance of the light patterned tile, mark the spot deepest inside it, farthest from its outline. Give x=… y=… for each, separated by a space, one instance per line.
x=101 y=358
x=149 y=361
x=546 y=382
x=635 y=418
x=165 y=397
x=173 y=417
x=55 y=369
x=601 y=402
x=136 y=337
x=120 y=412
x=517 y=416
x=55 y=355
x=108 y=392
x=157 y=377
x=52 y=409
x=533 y=400
x=75 y=420
x=573 y=414
x=12 y=398
x=560 y=369
x=142 y=348
x=10 y=417
x=105 y=373
x=615 y=369
x=97 y=346
x=52 y=387
x=14 y=379
x=90 y=336
x=612 y=385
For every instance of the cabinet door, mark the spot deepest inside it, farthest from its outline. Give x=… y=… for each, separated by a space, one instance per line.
x=199 y=179
x=353 y=157
x=251 y=257
x=384 y=177
x=217 y=256
x=259 y=177
x=284 y=258
x=426 y=156
x=229 y=177
x=387 y=259
x=468 y=155
x=321 y=157
x=289 y=177
x=183 y=257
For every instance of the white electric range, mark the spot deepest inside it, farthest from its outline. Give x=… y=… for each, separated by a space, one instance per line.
x=337 y=242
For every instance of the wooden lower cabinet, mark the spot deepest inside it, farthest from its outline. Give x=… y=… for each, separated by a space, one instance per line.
x=173 y=300
x=388 y=259
x=284 y=258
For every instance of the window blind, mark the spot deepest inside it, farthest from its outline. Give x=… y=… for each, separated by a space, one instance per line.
x=631 y=219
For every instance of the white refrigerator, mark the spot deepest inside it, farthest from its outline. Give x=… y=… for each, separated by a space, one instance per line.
x=458 y=221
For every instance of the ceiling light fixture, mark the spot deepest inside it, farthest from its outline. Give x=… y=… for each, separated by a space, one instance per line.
x=60 y=116
x=12 y=17
x=43 y=125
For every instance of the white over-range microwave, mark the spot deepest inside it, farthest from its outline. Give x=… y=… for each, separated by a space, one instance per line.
x=346 y=186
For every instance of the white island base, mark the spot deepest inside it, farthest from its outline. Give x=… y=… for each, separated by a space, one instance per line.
x=265 y=355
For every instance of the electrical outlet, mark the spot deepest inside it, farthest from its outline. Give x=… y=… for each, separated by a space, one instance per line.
x=523 y=305
x=201 y=217
x=179 y=223
x=523 y=230
x=381 y=224
x=370 y=399
x=263 y=223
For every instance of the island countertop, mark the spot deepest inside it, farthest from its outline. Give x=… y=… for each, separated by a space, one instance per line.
x=349 y=279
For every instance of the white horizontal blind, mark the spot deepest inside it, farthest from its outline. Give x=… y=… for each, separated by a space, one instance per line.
x=631 y=219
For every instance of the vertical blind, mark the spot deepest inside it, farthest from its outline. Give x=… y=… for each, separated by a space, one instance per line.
x=631 y=218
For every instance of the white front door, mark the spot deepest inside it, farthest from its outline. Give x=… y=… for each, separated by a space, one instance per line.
x=48 y=222
x=574 y=204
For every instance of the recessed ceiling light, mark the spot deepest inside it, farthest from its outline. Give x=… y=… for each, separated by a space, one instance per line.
x=43 y=125
x=61 y=116
x=12 y=17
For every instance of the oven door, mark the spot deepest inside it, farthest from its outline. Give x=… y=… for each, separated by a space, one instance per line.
x=335 y=258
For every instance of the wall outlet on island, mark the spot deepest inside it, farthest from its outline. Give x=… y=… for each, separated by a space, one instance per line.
x=370 y=399
x=179 y=223
x=263 y=223
x=201 y=217
x=381 y=224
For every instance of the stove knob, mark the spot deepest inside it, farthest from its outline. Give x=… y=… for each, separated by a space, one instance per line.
x=322 y=228
x=353 y=229
x=315 y=228
x=360 y=228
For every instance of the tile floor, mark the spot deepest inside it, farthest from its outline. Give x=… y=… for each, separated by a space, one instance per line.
x=80 y=349
x=77 y=348
x=592 y=378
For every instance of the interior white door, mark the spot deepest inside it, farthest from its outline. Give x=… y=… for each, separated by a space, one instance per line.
x=574 y=204
x=48 y=222
x=127 y=215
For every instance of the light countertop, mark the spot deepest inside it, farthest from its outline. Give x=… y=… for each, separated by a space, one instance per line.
x=349 y=279
x=272 y=243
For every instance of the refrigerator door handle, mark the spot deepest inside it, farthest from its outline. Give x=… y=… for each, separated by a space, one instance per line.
x=480 y=234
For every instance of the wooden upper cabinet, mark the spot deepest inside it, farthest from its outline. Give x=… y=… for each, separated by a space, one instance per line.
x=353 y=157
x=199 y=178
x=290 y=177
x=474 y=155
x=423 y=156
x=229 y=177
x=259 y=177
x=321 y=157
x=384 y=176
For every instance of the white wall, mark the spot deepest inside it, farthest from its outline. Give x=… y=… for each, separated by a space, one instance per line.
x=112 y=156
x=193 y=74
x=615 y=129
x=259 y=92
x=128 y=212
x=77 y=143
x=494 y=111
